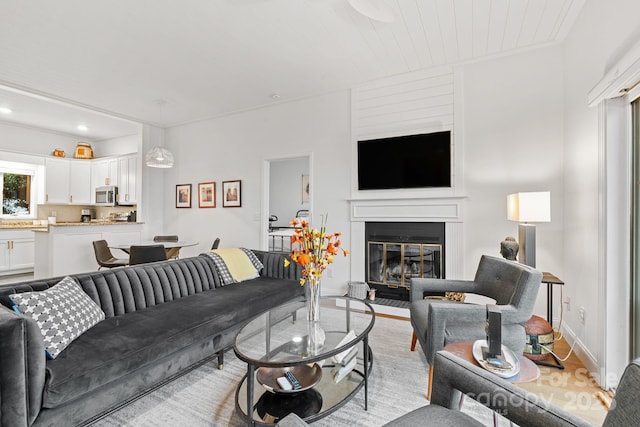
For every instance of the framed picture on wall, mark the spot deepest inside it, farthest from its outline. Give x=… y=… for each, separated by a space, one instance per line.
x=305 y=189
x=183 y=196
x=231 y=194
x=206 y=194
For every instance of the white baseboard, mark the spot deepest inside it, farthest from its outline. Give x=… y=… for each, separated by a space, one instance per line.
x=589 y=361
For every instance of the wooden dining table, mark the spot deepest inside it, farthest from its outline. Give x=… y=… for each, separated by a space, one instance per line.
x=172 y=248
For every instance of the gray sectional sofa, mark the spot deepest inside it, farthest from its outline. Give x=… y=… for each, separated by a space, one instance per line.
x=161 y=320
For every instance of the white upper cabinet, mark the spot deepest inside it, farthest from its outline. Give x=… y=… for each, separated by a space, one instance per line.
x=80 y=182
x=127 y=180
x=103 y=172
x=68 y=181
x=57 y=181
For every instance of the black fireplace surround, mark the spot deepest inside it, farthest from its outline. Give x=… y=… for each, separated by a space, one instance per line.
x=397 y=251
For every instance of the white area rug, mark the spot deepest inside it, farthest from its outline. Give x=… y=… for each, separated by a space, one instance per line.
x=206 y=396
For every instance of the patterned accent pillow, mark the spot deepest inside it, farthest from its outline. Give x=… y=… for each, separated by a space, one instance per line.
x=223 y=271
x=253 y=258
x=62 y=312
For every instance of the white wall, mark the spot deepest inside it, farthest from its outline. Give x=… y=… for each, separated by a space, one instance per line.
x=601 y=35
x=285 y=189
x=513 y=142
x=116 y=146
x=234 y=147
x=33 y=141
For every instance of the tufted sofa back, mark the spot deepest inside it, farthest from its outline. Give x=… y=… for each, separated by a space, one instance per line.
x=123 y=290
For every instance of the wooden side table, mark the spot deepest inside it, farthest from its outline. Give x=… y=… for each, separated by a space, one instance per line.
x=550 y=280
x=528 y=370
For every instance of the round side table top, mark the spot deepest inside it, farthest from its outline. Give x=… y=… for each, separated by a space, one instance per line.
x=528 y=370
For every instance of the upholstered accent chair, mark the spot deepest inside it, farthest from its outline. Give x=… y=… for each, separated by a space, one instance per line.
x=454 y=377
x=436 y=323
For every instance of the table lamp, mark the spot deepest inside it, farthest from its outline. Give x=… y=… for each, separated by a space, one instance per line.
x=526 y=208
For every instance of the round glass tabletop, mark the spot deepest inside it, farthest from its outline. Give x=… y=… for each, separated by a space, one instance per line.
x=283 y=336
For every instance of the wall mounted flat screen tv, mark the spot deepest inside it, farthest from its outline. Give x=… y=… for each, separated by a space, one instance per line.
x=412 y=161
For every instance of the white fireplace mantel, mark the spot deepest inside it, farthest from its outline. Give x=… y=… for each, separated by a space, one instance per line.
x=437 y=209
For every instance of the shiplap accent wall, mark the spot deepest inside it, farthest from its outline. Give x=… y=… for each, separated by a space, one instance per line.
x=407 y=104
x=410 y=103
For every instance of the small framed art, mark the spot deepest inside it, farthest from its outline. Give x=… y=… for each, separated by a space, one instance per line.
x=206 y=194
x=231 y=194
x=183 y=196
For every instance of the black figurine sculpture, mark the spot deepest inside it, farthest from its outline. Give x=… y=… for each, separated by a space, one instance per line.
x=509 y=248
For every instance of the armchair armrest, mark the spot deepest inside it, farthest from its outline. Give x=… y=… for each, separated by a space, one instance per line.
x=419 y=286
x=440 y=313
x=453 y=376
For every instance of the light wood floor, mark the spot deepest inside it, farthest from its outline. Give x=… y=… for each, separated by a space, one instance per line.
x=572 y=389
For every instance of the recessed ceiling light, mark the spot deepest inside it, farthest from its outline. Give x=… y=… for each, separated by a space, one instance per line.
x=82 y=127
x=275 y=96
x=5 y=110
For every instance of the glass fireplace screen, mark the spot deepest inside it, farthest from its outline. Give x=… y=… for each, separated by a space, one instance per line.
x=394 y=264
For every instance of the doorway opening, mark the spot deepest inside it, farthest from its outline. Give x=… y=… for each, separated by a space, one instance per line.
x=287 y=194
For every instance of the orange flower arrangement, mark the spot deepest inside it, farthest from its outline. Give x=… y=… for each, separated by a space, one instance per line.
x=314 y=249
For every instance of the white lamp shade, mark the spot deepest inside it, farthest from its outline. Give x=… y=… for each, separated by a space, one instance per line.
x=159 y=157
x=529 y=207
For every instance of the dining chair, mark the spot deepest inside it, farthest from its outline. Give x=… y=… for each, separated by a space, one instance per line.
x=216 y=243
x=141 y=254
x=172 y=253
x=105 y=258
x=165 y=238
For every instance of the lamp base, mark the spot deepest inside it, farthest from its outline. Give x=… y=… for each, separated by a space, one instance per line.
x=527 y=238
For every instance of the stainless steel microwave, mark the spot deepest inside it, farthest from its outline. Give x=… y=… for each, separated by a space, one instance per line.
x=107 y=196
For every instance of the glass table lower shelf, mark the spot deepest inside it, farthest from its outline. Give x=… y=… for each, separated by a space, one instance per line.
x=310 y=405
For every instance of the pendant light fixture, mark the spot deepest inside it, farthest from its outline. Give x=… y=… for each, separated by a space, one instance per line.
x=158 y=156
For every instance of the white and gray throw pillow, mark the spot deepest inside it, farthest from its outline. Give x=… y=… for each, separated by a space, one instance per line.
x=253 y=258
x=62 y=312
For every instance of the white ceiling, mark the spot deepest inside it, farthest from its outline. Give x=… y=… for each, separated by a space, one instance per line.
x=211 y=57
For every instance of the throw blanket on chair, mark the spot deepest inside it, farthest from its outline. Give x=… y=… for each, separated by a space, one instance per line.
x=236 y=264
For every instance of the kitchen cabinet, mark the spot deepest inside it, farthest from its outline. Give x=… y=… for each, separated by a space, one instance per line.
x=128 y=179
x=17 y=251
x=80 y=182
x=57 y=181
x=67 y=181
x=103 y=172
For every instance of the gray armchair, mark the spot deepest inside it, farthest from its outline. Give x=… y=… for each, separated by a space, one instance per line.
x=454 y=377
x=437 y=323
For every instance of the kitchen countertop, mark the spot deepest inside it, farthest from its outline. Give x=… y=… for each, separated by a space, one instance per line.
x=85 y=224
x=29 y=224
x=20 y=224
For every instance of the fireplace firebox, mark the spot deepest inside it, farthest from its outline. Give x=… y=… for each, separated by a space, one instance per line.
x=396 y=252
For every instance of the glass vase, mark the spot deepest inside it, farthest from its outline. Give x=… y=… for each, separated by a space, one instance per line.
x=313 y=299
x=316 y=335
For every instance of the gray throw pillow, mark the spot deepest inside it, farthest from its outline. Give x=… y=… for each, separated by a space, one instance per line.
x=63 y=313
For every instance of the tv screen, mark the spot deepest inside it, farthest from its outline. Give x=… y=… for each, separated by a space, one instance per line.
x=413 y=161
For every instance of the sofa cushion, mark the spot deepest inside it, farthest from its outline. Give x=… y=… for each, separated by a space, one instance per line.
x=62 y=312
x=121 y=345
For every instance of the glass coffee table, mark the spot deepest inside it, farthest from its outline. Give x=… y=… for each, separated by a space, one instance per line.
x=331 y=359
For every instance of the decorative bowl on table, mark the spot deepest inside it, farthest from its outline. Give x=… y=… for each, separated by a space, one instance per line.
x=307 y=375
x=507 y=355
